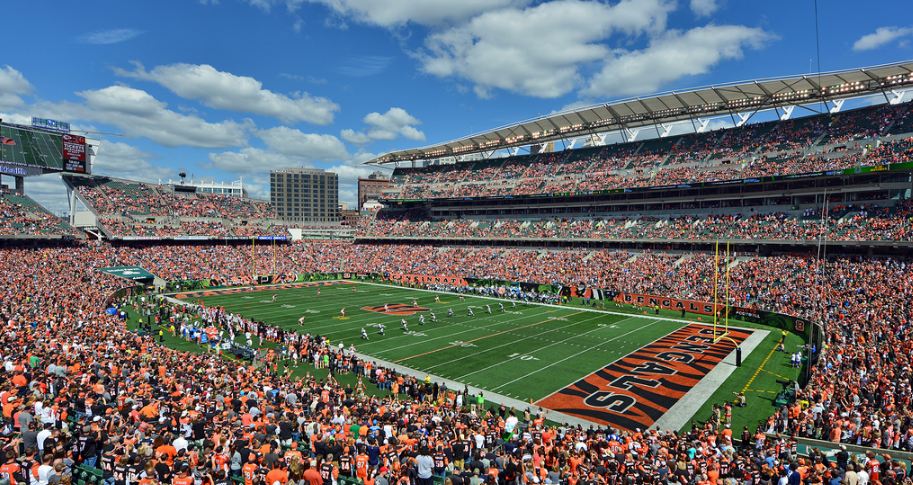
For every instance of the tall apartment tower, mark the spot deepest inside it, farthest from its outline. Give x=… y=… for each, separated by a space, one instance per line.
x=304 y=195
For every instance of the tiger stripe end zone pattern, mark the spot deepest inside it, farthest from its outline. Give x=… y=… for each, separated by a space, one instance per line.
x=636 y=390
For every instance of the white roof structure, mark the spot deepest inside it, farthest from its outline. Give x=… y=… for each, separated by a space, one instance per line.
x=695 y=105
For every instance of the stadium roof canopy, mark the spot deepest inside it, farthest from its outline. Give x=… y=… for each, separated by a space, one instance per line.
x=694 y=105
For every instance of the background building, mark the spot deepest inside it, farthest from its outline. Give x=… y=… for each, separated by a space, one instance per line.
x=304 y=195
x=371 y=188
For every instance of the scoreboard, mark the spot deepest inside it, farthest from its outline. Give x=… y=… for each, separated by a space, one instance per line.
x=26 y=151
x=74 y=153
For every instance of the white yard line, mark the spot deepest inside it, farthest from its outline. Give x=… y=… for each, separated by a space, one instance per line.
x=464 y=331
x=531 y=352
x=565 y=307
x=489 y=395
x=654 y=322
x=684 y=409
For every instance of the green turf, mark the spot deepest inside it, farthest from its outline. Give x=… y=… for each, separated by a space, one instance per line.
x=526 y=353
x=32 y=147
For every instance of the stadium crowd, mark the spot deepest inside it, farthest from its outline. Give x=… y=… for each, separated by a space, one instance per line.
x=843 y=223
x=857 y=138
x=79 y=389
x=21 y=216
x=141 y=210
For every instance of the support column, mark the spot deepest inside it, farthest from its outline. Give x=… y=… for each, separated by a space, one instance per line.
x=20 y=185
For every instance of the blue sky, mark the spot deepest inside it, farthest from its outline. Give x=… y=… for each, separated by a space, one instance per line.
x=232 y=88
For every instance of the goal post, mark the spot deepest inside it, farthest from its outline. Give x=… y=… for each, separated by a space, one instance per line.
x=721 y=325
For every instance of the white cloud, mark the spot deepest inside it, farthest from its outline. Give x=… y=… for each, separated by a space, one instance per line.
x=139 y=114
x=224 y=90
x=49 y=191
x=395 y=13
x=123 y=160
x=16 y=118
x=394 y=123
x=252 y=160
x=672 y=56
x=305 y=147
x=355 y=137
x=286 y=147
x=881 y=36
x=704 y=8
x=12 y=85
x=107 y=37
x=538 y=50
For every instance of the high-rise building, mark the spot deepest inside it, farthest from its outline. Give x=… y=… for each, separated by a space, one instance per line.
x=304 y=195
x=372 y=187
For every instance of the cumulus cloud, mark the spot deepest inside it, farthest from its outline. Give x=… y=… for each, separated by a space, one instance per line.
x=396 y=122
x=305 y=147
x=704 y=8
x=285 y=147
x=538 y=50
x=881 y=36
x=224 y=90
x=112 y=36
x=49 y=191
x=673 y=55
x=395 y=13
x=12 y=85
x=124 y=160
x=139 y=114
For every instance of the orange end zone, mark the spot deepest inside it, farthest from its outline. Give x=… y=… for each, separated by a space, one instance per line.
x=634 y=391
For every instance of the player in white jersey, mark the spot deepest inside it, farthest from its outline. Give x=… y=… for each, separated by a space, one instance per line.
x=471 y=313
x=433 y=317
x=488 y=309
x=364 y=334
x=421 y=319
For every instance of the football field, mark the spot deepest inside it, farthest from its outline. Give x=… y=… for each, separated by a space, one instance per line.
x=625 y=369
x=31 y=147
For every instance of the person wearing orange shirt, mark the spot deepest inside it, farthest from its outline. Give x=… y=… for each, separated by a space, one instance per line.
x=278 y=474
x=10 y=469
x=249 y=470
x=183 y=477
x=311 y=475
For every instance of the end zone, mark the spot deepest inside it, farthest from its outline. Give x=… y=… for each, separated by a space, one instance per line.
x=638 y=389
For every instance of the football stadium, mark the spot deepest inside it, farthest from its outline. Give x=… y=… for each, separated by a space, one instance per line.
x=698 y=286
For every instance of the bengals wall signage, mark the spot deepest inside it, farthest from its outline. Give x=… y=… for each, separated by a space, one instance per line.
x=428 y=280
x=773 y=319
x=667 y=303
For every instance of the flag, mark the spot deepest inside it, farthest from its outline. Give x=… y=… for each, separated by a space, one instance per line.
x=7 y=141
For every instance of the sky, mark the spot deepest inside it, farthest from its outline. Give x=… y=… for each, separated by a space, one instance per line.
x=229 y=89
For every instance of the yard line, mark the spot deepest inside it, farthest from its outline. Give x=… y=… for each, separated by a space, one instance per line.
x=475 y=339
x=552 y=305
x=520 y=340
x=654 y=322
x=530 y=352
x=445 y=322
x=450 y=335
x=351 y=323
